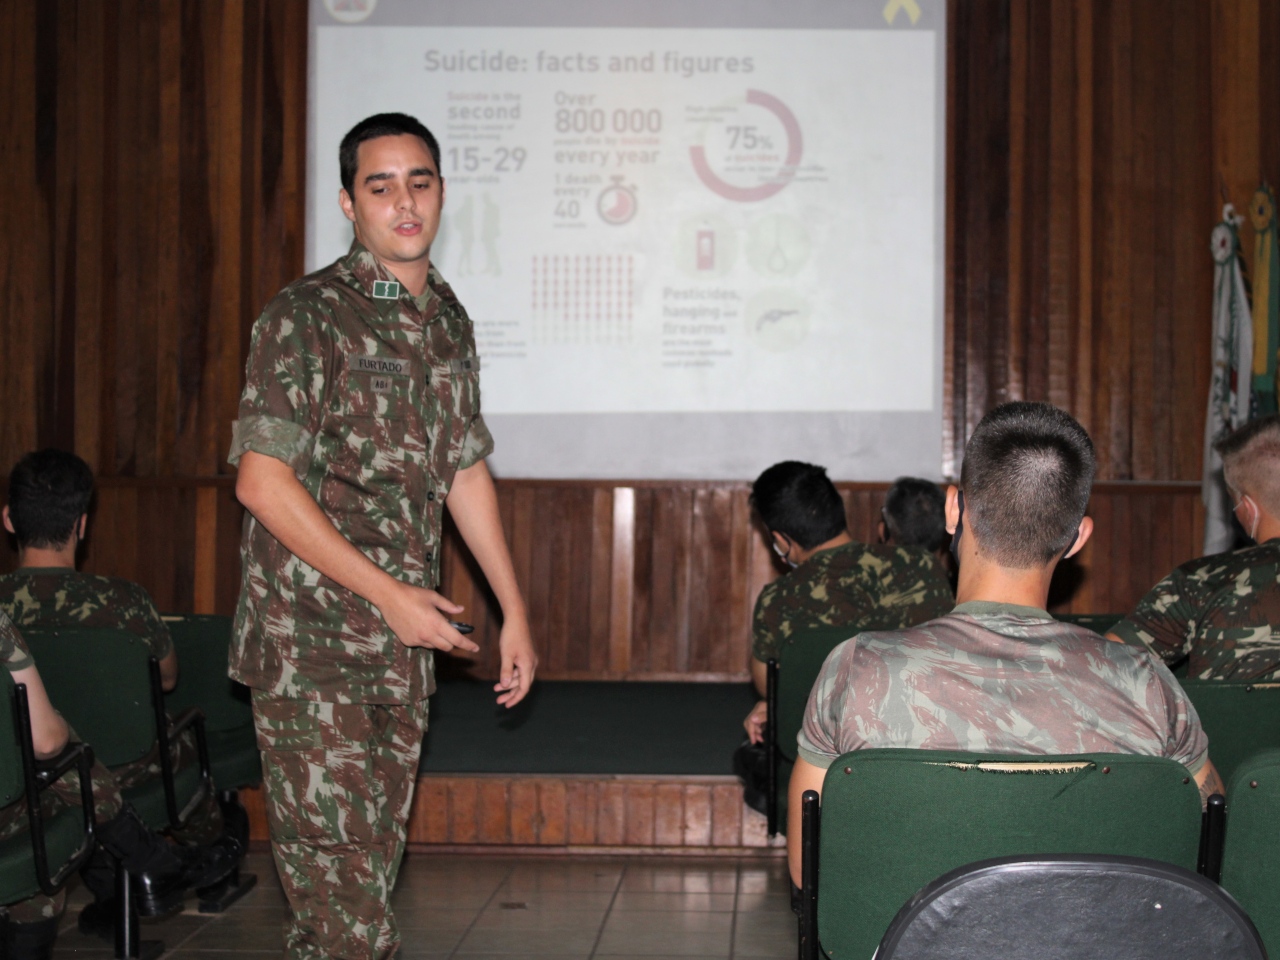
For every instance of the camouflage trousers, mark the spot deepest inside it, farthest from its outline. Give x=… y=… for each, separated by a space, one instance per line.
x=205 y=823
x=63 y=794
x=339 y=782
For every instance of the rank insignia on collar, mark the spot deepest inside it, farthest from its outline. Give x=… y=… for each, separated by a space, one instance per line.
x=386 y=290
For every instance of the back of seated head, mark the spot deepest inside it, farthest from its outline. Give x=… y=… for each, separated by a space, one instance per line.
x=914 y=512
x=49 y=491
x=1251 y=462
x=799 y=501
x=1027 y=472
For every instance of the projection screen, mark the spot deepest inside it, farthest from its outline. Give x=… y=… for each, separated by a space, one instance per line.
x=695 y=238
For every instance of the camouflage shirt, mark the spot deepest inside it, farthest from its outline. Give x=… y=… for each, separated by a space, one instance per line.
x=998 y=678
x=372 y=396
x=13 y=652
x=59 y=597
x=1222 y=611
x=857 y=585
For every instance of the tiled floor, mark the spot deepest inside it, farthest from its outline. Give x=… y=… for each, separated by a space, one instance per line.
x=506 y=907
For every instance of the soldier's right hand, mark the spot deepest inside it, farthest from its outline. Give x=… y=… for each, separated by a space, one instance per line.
x=420 y=618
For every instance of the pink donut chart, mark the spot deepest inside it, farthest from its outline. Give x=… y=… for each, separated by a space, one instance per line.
x=776 y=183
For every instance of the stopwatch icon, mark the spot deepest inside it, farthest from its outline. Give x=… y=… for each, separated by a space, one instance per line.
x=617 y=203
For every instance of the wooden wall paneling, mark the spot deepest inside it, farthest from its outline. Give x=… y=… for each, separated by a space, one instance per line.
x=622 y=579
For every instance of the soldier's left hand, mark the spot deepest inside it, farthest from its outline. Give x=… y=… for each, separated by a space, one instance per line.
x=519 y=661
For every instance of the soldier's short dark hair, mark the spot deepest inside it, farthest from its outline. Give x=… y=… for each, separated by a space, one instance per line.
x=1027 y=472
x=914 y=512
x=49 y=490
x=1251 y=461
x=371 y=128
x=799 y=501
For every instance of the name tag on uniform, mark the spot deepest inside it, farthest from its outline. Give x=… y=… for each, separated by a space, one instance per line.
x=386 y=290
x=464 y=365
x=383 y=371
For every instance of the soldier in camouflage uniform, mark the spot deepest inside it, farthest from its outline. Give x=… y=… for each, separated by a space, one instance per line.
x=835 y=580
x=360 y=420
x=1222 y=612
x=999 y=674
x=49 y=493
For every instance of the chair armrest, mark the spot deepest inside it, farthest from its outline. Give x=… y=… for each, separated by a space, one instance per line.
x=168 y=730
x=39 y=776
x=771 y=745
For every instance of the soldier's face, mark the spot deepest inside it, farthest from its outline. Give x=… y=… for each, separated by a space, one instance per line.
x=398 y=194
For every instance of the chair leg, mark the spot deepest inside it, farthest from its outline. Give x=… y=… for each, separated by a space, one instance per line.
x=219 y=896
x=128 y=944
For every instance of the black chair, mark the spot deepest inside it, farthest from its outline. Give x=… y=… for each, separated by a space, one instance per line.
x=44 y=858
x=1071 y=907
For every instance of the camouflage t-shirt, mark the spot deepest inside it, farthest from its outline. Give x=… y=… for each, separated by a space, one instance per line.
x=998 y=678
x=373 y=398
x=858 y=585
x=59 y=597
x=13 y=651
x=1221 y=611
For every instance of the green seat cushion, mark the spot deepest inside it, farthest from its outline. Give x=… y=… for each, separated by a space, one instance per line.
x=1251 y=852
x=800 y=661
x=64 y=833
x=202 y=643
x=1239 y=718
x=895 y=820
x=1099 y=623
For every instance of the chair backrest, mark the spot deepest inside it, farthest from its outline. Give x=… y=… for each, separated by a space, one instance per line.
x=800 y=660
x=1251 y=851
x=12 y=787
x=1065 y=908
x=893 y=820
x=1240 y=719
x=99 y=679
x=202 y=643
x=1099 y=623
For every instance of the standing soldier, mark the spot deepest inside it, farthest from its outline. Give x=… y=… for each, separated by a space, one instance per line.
x=360 y=420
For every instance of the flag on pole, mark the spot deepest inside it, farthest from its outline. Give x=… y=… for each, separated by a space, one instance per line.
x=1233 y=364
x=1266 y=300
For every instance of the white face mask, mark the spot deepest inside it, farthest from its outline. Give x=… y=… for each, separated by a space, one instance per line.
x=782 y=555
x=1257 y=516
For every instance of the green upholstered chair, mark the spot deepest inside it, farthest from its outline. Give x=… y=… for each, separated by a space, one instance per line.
x=1240 y=719
x=107 y=685
x=789 y=680
x=202 y=642
x=892 y=821
x=1251 y=854
x=43 y=858
x=1099 y=623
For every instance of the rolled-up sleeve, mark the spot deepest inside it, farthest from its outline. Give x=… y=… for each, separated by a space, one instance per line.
x=285 y=376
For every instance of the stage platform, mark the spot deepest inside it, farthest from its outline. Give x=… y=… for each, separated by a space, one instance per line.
x=578 y=766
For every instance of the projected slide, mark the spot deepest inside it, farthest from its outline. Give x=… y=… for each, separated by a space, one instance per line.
x=668 y=221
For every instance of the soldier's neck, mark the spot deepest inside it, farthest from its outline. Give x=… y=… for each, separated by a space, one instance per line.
x=981 y=578
x=802 y=555
x=412 y=275
x=64 y=556
x=1268 y=527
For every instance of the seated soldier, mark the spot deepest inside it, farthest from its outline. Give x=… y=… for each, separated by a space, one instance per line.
x=998 y=674
x=912 y=516
x=1223 y=611
x=161 y=872
x=834 y=579
x=49 y=493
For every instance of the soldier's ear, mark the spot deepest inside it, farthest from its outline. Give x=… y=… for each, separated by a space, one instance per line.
x=1083 y=534
x=347 y=204
x=952 y=509
x=8 y=524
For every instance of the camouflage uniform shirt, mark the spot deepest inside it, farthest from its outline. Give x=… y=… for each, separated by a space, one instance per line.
x=857 y=585
x=13 y=652
x=372 y=396
x=998 y=678
x=1222 y=611
x=59 y=597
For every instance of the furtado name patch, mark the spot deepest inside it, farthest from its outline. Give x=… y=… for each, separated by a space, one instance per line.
x=382 y=366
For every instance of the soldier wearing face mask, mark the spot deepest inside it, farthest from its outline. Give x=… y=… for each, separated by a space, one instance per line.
x=833 y=580
x=1222 y=612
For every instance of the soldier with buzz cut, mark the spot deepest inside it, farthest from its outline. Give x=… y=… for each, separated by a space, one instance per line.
x=834 y=580
x=998 y=674
x=1222 y=612
x=359 y=424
